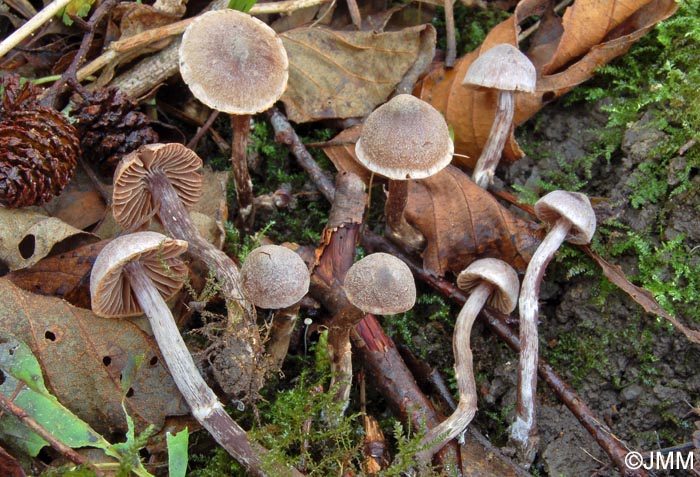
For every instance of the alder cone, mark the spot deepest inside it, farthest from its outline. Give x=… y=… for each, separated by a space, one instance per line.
x=38 y=147
x=109 y=126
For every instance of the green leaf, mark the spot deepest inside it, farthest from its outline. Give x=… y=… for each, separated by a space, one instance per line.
x=79 y=8
x=242 y=5
x=177 y=453
x=24 y=384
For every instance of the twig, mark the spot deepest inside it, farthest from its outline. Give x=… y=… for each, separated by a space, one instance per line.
x=451 y=53
x=32 y=424
x=46 y=14
x=285 y=134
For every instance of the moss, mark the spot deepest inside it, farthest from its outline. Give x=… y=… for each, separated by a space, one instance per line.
x=472 y=24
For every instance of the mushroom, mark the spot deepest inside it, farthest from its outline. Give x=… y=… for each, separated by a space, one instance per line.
x=571 y=218
x=380 y=284
x=235 y=63
x=135 y=274
x=163 y=179
x=405 y=138
x=489 y=281
x=276 y=278
x=505 y=69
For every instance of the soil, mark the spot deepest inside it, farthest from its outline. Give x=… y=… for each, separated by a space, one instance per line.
x=638 y=376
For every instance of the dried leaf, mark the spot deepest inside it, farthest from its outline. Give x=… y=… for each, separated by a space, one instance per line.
x=343 y=74
x=83 y=355
x=644 y=297
x=462 y=222
x=66 y=275
x=565 y=55
x=27 y=236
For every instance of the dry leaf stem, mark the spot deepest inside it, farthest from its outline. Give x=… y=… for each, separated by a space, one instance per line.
x=46 y=14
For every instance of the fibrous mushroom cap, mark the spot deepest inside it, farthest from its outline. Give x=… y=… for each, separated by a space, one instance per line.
x=274 y=277
x=405 y=138
x=574 y=207
x=233 y=62
x=381 y=284
x=131 y=198
x=109 y=288
x=496 y=272
x=503 y=67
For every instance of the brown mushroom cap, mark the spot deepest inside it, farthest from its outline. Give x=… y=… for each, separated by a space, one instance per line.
x=131 y=199
x=496 y=272
x=381 y=284
x=405 y=138
x=274 y=277
x=503 y=67
x=573 y=206
x=233 y=62
x=109 y=288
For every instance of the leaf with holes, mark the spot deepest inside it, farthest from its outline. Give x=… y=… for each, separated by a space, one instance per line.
x=23 y=383
x=83 y=356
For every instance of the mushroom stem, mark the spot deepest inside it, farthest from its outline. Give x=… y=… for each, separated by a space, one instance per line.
x=281 y=329
x=438 y=436
x=178 y=223
x=340 y=351
x=240 y=123
x=205 y=406
x=491 y=153
x=398 y=229
x=523 y=432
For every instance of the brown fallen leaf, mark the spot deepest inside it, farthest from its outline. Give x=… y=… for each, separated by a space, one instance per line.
x=565 y=54
x=344 y=74
x=83 y=356
x=66 y=275
x=462 y=222
x=9 y=466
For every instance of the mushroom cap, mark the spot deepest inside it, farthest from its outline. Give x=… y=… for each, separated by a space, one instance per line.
x=574 y=207
x=503 y=67
x=496 y=272
x=109 y=287
x=233 y=62
x=381 y=284
x=131 y=197
x=405 y=138
x=274 y=277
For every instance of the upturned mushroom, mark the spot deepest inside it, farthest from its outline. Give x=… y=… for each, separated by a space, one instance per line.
x=405 y=138
x=163 y=180
x=134 y=274
x=571 y=218
x=380 y=284
x=276 y=278
x=506 y=69
x=488 y=281
x=236 y=64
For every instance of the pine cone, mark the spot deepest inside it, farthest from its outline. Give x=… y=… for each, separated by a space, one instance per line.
x=110 y=126
x=38 y=147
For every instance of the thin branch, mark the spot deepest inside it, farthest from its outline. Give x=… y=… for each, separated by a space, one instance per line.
x=32 y=25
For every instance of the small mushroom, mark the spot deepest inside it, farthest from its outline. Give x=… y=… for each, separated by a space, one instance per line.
x=405 y=138
x=276 y=278
x=505 y=69
x=134 y=274
x=380 y=284
x=489 y=281
x=163 y=180
x=571 y=218
x=235 y=63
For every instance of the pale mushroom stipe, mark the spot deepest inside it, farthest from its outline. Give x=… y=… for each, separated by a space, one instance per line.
x=488 y=281
x=405 y=138
x=506 y=69
x=571 y=218
x=130 y=277
x=236 y=64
